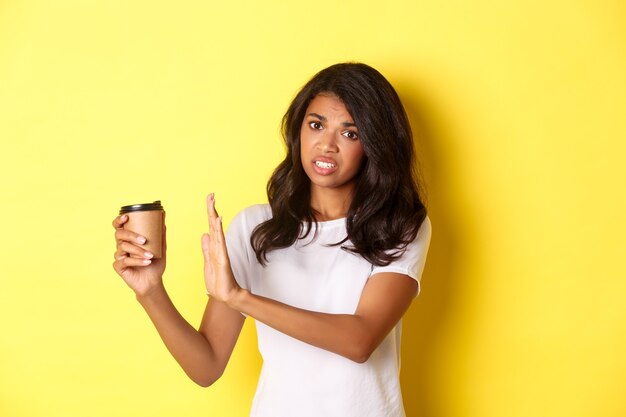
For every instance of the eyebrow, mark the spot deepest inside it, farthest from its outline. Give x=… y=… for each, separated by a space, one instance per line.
x=324 y=119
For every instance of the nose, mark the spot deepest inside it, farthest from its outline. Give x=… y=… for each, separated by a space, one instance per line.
x=327 y=142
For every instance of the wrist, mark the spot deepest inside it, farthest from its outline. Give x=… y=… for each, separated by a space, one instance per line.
x=151 y=294
x=237 y=300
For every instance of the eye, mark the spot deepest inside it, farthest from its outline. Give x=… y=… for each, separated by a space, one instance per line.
x=315 y=125
x=350 y=134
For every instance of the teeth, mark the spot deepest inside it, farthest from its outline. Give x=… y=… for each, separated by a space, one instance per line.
x=322 y=164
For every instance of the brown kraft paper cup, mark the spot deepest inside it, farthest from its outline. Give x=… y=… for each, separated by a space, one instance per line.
x=147 y=221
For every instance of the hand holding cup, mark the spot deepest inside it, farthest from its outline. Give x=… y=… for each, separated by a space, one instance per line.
x=141 y=246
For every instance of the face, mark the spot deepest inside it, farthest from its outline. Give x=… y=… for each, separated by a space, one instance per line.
x=330 y=148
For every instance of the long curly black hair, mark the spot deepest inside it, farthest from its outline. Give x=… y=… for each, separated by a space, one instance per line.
x=387 y=208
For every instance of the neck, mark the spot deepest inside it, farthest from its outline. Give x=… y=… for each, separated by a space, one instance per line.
x=330 y=204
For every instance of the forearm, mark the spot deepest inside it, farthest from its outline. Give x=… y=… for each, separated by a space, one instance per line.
x=348 y=335
x=189 y=347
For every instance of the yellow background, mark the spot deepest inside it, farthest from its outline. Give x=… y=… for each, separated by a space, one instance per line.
x=520 y=110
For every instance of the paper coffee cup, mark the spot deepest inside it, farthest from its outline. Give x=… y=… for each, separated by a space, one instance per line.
x=146 y=220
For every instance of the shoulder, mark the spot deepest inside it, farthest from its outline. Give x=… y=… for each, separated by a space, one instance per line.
x=425 y=230
x=419 y=246
x=413 y=257
x=250 y=217
x=257 y=213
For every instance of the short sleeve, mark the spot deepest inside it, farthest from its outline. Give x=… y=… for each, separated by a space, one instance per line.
x=412 y=262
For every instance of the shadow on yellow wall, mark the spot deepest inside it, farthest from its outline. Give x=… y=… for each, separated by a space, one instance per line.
x=431 y=310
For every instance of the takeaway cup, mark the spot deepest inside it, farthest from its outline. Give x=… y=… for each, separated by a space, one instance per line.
x=147 y=220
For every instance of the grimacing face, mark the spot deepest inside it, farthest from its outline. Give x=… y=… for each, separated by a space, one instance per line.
x=330 y=148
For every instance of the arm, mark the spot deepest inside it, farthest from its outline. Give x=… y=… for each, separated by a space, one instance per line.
x=384 y=300
x=202 y=354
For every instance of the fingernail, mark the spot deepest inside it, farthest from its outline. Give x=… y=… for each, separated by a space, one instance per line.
x=212 y=196
x=141 y=240
x=146 y=261
x=123 y=218
x=148 y=255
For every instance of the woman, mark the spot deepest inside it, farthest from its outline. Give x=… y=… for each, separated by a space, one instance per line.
x=327 y=268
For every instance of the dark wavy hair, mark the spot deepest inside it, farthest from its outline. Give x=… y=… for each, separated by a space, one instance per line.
x=387 y=209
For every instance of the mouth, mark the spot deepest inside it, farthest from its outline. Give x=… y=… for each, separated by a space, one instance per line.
x=324 y=166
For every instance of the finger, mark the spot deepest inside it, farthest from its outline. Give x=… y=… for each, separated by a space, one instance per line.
x=127 y=262
x=216 y=242
x=135 y=251
x=219 y=231
x=211 y=213
x=119 y=254
x=206 y=253
x=123 y=235
x=210 y=204
x=119 y=221
x=221 y=240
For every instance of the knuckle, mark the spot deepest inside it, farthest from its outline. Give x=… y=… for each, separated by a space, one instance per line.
x=127 y=247
x=123 y=235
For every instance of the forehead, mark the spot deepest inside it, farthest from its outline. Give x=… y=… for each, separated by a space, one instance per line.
x=328 y=105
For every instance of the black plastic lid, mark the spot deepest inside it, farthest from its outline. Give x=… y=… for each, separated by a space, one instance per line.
x=156 y=205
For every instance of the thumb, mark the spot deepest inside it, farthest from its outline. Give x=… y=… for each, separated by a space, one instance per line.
x=206 y=241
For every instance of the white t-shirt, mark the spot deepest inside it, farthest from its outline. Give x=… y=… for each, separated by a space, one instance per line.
x=298 y=379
